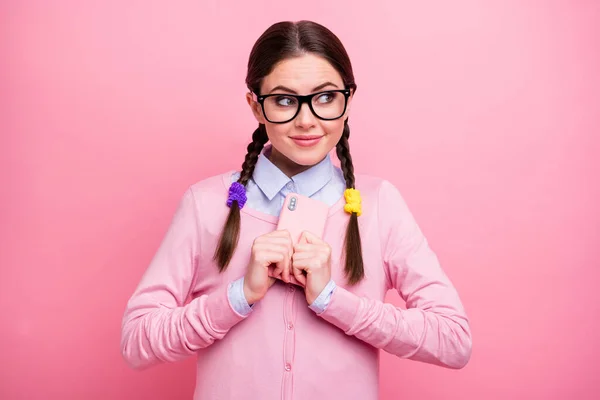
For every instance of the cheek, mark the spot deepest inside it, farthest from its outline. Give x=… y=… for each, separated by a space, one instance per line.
x=276 y=132
x=333 y=128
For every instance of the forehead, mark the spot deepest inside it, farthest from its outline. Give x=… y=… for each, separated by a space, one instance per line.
x=301 y=74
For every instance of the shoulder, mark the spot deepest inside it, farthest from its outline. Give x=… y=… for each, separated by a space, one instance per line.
x=376 y=187
x=381 y=198
x=386 y=205
x=212 y=189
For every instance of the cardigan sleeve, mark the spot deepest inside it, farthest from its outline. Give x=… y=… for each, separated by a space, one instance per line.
x=434 y=328
x=157 y=325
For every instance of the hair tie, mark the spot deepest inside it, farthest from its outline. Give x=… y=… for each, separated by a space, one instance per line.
x=237 y=192
x=353 y=201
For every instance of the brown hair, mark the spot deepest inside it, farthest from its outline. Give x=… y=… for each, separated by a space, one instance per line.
x=281 y=41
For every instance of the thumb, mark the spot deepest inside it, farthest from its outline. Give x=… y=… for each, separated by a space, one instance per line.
x=302 y=239
x=311 y=238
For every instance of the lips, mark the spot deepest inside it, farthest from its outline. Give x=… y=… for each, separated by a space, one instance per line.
x=307 y=140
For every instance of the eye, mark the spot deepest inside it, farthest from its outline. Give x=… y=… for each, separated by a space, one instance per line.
x=285 y=101
x=326 y=97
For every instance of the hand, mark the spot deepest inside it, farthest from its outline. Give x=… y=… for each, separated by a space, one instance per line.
x=271 y=251
x=312 y=257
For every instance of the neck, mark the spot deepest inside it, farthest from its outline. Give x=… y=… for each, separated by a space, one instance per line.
x=285 y=165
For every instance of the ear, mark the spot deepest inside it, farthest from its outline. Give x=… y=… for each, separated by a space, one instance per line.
x=256 y=109
x=349 y=105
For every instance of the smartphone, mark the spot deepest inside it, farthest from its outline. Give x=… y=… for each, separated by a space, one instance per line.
x=300 y=213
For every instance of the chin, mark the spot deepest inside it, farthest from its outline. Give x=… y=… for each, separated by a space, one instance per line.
x=309 y=158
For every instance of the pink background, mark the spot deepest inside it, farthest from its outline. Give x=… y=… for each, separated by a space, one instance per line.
x=484 y=114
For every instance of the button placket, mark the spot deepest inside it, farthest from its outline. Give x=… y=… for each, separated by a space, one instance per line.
x=289 y=340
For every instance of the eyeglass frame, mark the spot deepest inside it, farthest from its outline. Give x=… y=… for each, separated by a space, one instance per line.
x=301 y=100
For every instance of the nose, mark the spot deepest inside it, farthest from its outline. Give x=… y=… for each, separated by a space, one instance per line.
x=305 y=118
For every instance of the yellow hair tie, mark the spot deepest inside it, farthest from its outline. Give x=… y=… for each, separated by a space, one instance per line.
x=353 y=201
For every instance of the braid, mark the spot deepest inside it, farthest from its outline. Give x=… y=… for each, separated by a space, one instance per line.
x=354 y=267
x=343 y=152
x=231 y=231
x=259 y=139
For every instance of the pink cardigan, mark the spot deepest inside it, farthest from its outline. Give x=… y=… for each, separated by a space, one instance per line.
x=283 y=349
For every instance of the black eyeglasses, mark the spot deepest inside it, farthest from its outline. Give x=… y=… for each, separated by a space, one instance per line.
x=280 y=108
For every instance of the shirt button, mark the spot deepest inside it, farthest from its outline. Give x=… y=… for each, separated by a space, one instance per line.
x=290 y=186
x=288 y=367
x=291 y=288
x=290 y=326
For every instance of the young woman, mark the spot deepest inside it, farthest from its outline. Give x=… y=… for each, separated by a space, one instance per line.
x=209 y=292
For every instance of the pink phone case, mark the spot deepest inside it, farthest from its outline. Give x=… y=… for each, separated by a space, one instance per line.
x=300 y=213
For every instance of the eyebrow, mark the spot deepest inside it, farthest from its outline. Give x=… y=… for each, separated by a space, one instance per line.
x=321 y=86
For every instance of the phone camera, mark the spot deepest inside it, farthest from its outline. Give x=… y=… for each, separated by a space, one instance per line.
x=292 y=204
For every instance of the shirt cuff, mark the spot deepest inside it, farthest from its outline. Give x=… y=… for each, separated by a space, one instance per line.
x=343 y=309
x=237 y=299
x=322 y=301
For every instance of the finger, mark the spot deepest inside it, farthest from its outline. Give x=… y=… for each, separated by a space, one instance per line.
x=285 y=268
x=312 y=238
x=272 y=247
x=276 y=270
x=281 y=242
x=285 y=244
x=271 y=257
x=279 y=264
x=302 y=239
x=304 y=248
x=305 y=255
x=274 y=239
x=299 y=275
x=309 y=265
x=284 y=233
x=302 y=263
x=271 y=281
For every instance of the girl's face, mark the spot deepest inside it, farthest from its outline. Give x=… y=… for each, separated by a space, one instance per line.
x=306 y=140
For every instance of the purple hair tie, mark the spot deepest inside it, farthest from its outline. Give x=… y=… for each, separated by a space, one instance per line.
x=237 y=192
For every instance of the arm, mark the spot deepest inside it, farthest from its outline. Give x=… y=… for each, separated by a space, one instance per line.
x=157 y=325
x=434 y=328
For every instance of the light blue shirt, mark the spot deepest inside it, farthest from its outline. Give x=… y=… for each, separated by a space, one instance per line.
x=266 y=192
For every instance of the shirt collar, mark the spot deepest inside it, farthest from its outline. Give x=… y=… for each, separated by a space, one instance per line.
x=271 y=180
